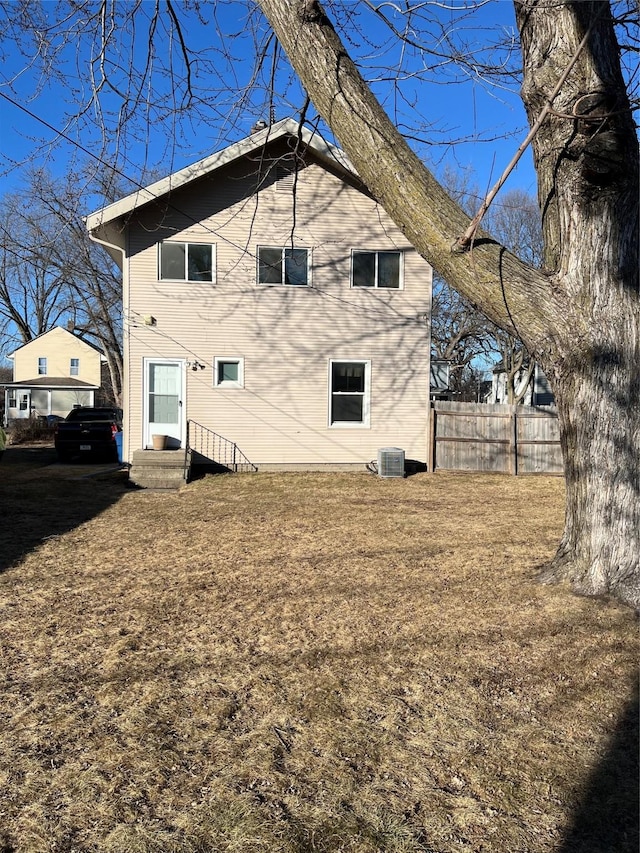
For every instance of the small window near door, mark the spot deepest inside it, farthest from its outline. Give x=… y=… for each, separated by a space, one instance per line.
x=228 y=372
x=13 y=402
x=42 y=367
x=74 y=367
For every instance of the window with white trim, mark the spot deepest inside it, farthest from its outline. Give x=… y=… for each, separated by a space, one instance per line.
x=283 y=265
x=376 y=269
x=74 y=367
x=42 y=367
x=186 y=261
x=349 y=393
x=228 y=372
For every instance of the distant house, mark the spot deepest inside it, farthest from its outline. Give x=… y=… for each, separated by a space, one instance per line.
x=270 y=301
x=537 y=393
x=439 y=380
x=51 y=374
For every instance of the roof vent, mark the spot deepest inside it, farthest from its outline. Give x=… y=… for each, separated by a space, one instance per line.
x=390 y=462
x=258 y=126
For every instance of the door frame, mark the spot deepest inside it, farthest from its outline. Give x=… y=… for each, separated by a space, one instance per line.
x=182 y=407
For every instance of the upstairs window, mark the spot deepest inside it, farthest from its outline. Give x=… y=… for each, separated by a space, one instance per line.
x=74 y=367
x=283 y=266
x=187 y=261
x=375 y=269
x=42 y=367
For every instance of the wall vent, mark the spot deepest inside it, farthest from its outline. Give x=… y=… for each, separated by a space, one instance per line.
x=285 y=177
x=390 y=462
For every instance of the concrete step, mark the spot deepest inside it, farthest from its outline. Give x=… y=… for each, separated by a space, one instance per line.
x=158 y=484
x=158 y=469
x=156 y=480
x=158 y=458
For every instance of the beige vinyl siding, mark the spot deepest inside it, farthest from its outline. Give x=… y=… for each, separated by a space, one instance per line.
x=285 y=334
x=58 y=346
x=62 y=401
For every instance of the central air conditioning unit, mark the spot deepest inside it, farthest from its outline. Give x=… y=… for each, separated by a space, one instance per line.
x=390 y=462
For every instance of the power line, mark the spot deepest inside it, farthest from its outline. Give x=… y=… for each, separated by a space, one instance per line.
x=242 y=248
x=122 y=174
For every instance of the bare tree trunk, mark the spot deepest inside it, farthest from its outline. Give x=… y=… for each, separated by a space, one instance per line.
x=587 y=162
x=600 y=432
x=580 y=317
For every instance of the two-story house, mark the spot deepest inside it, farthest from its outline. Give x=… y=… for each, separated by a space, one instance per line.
x=51 y=374
x=269 y=299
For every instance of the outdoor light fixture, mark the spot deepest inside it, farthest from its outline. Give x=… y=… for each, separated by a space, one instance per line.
x=196 y=365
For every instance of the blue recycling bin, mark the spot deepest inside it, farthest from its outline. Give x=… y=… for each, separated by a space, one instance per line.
x=119 y=445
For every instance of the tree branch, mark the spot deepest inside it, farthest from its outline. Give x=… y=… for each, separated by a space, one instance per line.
x=507 y=288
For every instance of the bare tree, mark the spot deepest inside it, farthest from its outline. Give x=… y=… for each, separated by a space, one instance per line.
x=515 y=220
x=580 y=315
x=33 y=293
x=53 y=274
x=93 y=280
x=460 y=332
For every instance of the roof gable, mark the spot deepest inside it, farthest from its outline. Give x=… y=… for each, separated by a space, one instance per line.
x=57 y=332
x=328 y=154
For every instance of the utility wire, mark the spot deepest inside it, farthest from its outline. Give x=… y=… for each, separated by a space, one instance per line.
x=244 y=249
x=122 y=174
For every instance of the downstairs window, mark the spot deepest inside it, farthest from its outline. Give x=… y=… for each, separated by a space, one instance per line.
x=349 y=393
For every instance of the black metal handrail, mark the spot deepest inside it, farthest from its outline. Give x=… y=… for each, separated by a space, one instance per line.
x=214 y=449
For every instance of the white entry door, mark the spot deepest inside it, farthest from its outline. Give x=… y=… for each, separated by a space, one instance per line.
x=164 y=396
x=24 y=404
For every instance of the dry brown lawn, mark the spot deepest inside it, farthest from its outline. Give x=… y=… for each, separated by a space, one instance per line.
x=300 y=663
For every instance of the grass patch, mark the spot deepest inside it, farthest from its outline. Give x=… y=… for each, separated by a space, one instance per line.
x=312 y=663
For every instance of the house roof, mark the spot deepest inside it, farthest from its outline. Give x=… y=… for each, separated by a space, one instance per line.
x=51 y=382
x=330 y=154
x=58 y=329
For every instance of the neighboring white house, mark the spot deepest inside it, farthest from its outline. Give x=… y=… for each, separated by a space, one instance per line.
x=51 y=374
x=537 y=393
x=269 y=299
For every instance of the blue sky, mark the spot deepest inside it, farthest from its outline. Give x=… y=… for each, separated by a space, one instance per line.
x=471 y=125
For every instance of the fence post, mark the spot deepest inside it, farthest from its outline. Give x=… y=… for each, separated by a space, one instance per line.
x=431 y=440
x=513 y=442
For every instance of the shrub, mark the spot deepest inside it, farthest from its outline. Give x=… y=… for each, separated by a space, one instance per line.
x=22 y=432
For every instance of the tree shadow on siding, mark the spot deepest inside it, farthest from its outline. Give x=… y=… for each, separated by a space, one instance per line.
x=607 y=819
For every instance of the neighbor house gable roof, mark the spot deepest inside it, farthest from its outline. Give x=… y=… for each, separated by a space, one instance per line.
x=50 y=382
x=329 y=154
x=57 y=330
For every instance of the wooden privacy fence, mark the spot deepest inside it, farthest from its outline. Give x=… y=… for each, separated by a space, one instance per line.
x=494 y=438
